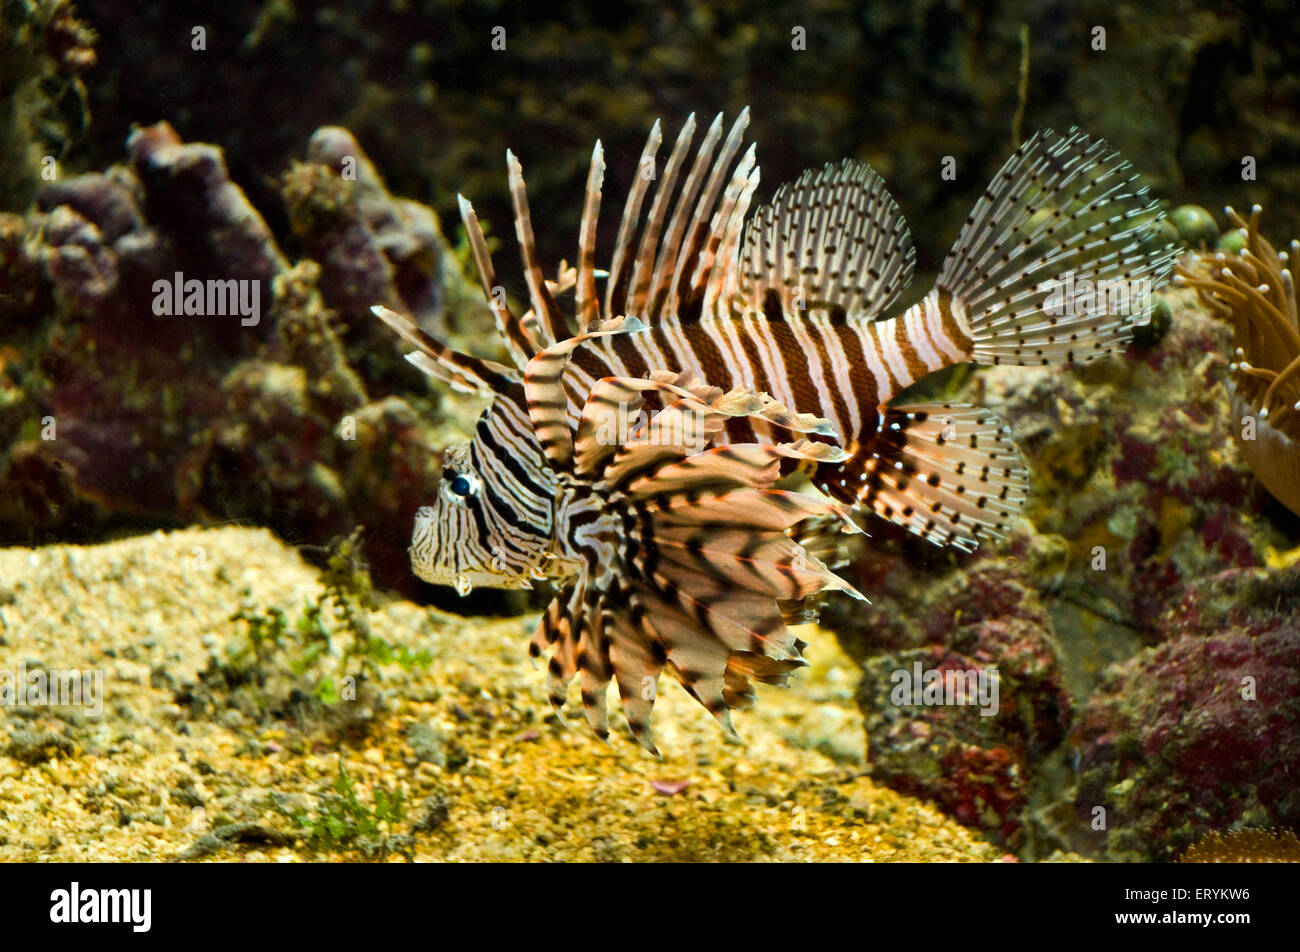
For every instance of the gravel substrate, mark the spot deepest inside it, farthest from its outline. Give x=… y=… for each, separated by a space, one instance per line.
x=181 y=765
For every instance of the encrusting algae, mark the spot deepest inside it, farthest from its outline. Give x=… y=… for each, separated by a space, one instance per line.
x=1255 y=292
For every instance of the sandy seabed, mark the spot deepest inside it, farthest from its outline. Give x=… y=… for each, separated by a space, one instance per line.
x=486 y=770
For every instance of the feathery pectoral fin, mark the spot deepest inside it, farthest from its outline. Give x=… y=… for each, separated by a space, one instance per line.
x=947 y=472
x=746 y=464
x=744 y=666
x=544 y=391
x=689 y=564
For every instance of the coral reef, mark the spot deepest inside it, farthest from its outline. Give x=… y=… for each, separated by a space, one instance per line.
x=1186 y=91
x=983 y=615
x=131 y=403
x=45 y=51
x=1152 y=539
x=1153 y=542
x=1199 y=733
x=1136 y=470
x=189 y=195
x=374 y=248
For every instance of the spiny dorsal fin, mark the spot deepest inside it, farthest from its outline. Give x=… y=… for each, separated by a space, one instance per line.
x=708 y=225
x=678 y=258
x=720 y=260
x=519 y=338
x=666 y=253
x=647 y=251
x=832 y=240
x=948 y=472
x=460 y=371
x=585 y=303
x=550 y=318
x=620 y=269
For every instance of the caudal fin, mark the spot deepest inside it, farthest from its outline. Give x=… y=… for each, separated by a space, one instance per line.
x=1058 y=259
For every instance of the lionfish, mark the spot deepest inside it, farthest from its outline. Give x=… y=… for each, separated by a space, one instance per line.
x=631 y=453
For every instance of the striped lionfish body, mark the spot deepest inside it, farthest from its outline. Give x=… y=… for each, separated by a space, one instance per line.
x=631 y=453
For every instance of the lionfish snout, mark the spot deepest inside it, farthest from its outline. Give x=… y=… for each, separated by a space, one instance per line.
x=447 y=549
x=480 y=530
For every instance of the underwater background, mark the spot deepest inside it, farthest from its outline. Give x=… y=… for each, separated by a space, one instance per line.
x=180 y=496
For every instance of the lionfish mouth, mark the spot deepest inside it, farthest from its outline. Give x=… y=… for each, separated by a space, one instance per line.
x=465 y=582
x=1254 y=292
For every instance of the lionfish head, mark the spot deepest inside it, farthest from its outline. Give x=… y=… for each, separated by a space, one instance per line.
x=482 y=530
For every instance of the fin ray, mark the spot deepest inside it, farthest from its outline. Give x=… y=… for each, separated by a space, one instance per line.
x=462 y=372
x=585 y=302
x=1063 y=212
x=549 y=316
x=521 y=344
x=947 y=472
x=834 y=240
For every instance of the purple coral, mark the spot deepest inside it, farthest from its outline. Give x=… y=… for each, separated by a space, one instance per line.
x=977 y=767
x=1201 y=732
x=168 y=418
x=374 y=248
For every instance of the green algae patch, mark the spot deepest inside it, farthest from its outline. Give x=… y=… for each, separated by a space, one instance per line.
x=460 y=761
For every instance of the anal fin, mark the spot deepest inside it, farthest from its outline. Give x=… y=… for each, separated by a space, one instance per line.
x=947 y=472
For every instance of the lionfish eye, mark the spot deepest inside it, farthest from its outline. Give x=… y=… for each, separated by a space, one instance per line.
x=460 y=485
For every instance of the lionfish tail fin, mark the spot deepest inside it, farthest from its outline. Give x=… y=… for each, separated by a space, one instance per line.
x=1058 y=260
